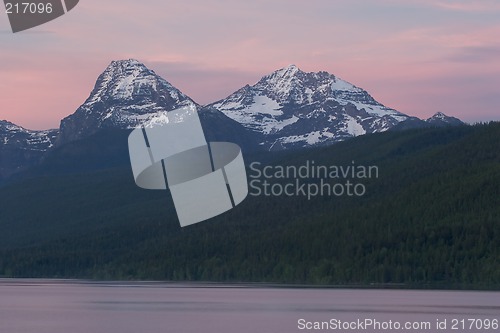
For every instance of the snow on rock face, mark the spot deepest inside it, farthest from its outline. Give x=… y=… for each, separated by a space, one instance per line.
x=127 y=80
x=293 y=108
x=6 y=126
x=125 y=95
x=439 y=115
x=21 y=148
x=16 y=136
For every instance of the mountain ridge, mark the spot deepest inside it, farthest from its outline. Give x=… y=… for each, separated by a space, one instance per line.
x=285 y=109
x=21 y=148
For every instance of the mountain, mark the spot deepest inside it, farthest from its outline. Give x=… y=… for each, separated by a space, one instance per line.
x=21 y=148
x=125 y=95
x=437 y=120
x=291 y=108
x=440 y=119
x=17 y=136
x=128 y=94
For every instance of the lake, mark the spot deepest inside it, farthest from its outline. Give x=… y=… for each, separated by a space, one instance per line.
x=54 y=306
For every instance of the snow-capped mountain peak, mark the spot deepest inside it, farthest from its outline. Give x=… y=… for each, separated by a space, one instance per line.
x=439 y=115
x=440 y=119
x=287 y=71
x=128 y=79
x=282 y=79
x=290 y=107
x=125 y=95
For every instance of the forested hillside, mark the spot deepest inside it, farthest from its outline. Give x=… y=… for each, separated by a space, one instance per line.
x=431 y=218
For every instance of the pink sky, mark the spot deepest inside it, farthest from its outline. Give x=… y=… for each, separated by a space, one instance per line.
x=419 y=57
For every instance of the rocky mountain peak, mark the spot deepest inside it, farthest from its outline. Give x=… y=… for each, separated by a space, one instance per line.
x=125 y=95
x=7 y=126
x=283 y=74
x=440 y=119
x=283 y=84
x=290 y=107
x=439 y=115
x=128 y=80
x=4 y=125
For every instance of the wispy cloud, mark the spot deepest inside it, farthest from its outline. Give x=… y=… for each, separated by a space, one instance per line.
x=476 y=54
x=470 y=6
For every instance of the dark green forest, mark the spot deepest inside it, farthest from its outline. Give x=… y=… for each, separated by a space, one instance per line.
x=431 y=219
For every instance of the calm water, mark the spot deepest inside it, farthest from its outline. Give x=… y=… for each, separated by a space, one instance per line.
x=78 y=307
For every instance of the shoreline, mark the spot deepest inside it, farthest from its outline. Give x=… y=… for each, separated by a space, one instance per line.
x=242 y=285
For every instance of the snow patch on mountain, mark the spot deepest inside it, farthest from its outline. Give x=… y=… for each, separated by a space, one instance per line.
x=341 y=85
x=19 y=137
x=353 y=127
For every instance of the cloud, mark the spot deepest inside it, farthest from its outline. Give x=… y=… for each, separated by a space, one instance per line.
x=470 y=6
x=476 y=54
